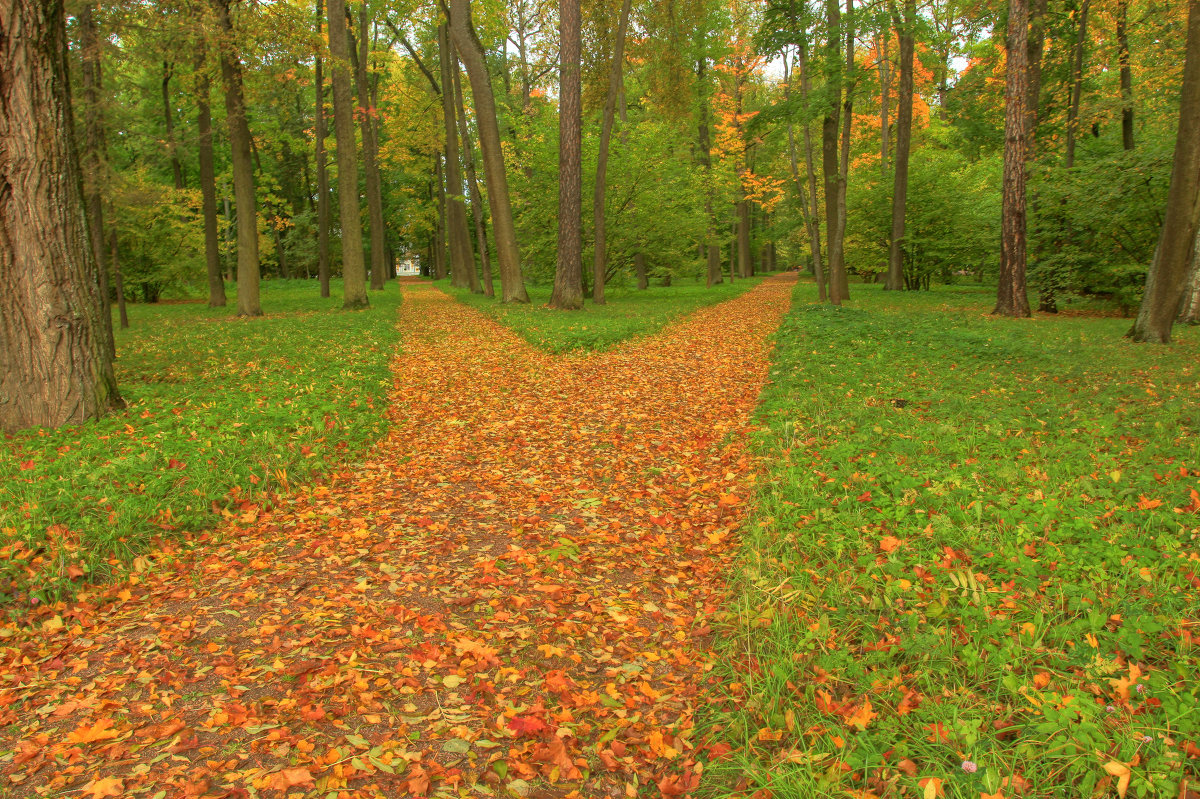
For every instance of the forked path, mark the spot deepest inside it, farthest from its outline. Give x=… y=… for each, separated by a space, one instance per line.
x=511 y=597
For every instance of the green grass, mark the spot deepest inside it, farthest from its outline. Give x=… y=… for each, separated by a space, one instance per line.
x=627 y=313
x=970 y=523
x=221 y=412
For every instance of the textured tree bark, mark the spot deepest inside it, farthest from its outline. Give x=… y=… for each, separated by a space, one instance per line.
x=95 y=155
x=616 y=75
x=462 y=260
x=208 y=187
x=485 y=259
x=1168 y=275
x=168 y=70
x=1189 y=309
x=829 y=146
x=895 y=276
x=837 y=273
x=322 y=170
x=440 y=256
x=568 y=272
x=1076 y=83
x=712 y=247
x=512 y=287
x=885 y=89
x=243 y=169
x=55 y=366
x=1011 y=298
x=370 y=152
x=354 y=270
x=1126 y=74
x=1035 y=46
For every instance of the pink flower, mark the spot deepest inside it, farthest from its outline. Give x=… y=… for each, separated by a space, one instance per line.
x=969 y=767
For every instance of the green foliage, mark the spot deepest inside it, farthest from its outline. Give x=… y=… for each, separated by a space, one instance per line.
x=221 y=413
x=628 y=313
x=953 y=218
x=987 y=530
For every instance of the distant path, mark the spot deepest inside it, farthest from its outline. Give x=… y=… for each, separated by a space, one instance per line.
x=512 y=592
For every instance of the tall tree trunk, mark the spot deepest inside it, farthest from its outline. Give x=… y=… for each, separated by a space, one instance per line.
x=895 y=276
x=512 y=287
x=243 y=169
x=168 y=70
x=1035 y=47
x=568 y=273
x=370 y=151
x=1011 y=298
x=839 y=273
x=829 y=145
x=323 y=214
x=208 y=187
x=885 y=89
x=95 y=157
x=616 y=75
x=745 y=264
x=810 y=169
x=1076 y=83
x=485 y=259
x=1126 y=75
x=1168 y=275
x=354 y=271
x=118 y=281
x=462 y=260
x=55 y=364
x=713 y=274
x=440 y=256
x=639 y=268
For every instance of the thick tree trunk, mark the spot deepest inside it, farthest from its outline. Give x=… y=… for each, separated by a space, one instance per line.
x=370 y=151
x=243 y=169
x=1011 y=299
x=512 y=287
x=1076 y=83
x=568 y=272
x=1126 y=75
x=1189 y=309
x=1168 y=275
x=462 y=260
x=95 y=156
x=485 y=259
x=616 y=74
x=168 y=70
x=208 y=188
x=810 y=169
x=354 y=271
x=321 y=157
x=895 y=276
x=55 y=365
x=639 y=268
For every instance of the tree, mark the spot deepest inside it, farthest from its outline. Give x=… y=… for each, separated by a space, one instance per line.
x=360 y=56
x=208 y=184
x=1168 y=275
x=512 y=287
x=243 y=168
x=485 y=260
x=1011 y=299
x=322 y=169
x=615 y=74
x=354 y=273
x=462 y=261
x=895 y=275
x=568 y=274
x=55 y=367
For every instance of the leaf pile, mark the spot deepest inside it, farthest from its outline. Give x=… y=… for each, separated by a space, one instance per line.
x=512 y=594
x=974 y=570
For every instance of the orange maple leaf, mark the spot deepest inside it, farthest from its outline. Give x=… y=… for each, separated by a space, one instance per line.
x=108 y=786
x=290 y=777
x=862 y=717
x=99 y=731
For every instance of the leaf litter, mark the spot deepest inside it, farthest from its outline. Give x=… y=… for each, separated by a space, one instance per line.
x=509 y=597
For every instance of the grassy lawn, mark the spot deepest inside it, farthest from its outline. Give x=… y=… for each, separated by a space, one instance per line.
x=973 y=570
x=627 y=313
x=221 y=412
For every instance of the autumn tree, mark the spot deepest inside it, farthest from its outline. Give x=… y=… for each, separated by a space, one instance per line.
x=568 y=274
x=1012 y=299
x=55 y=366
x=353 y=267
x=904 y=121
x=1168 y=275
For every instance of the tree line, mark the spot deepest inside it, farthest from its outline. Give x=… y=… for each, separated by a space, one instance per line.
x=163 y=146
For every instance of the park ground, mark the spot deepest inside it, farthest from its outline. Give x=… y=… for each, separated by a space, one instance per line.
x=764 y=548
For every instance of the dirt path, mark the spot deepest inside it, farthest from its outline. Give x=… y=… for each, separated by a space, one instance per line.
x=509 y=598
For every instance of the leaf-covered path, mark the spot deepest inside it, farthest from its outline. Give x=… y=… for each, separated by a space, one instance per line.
x=510 y=597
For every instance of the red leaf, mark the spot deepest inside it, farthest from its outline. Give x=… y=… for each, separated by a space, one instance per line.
x=26 y=465
x=527 y=725
x=174 y=464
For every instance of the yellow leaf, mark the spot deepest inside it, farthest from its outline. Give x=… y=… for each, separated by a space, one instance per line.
x=289 y=778
x=53 y=624
x=109 y=786
x=1122 y=773
x=932 y=786
x=862 y=717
